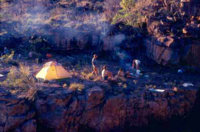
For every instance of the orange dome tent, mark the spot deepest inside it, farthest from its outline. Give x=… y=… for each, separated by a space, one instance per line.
x=52 y=71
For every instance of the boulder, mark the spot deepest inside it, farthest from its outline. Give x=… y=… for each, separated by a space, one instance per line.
x=192 y=57
x=172 y=39
x=162 y=54
x=95 y=97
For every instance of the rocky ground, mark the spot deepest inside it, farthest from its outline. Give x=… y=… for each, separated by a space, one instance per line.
x=101 y=106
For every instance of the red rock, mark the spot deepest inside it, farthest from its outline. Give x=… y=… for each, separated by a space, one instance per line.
x=95 y=97
x=162 y=55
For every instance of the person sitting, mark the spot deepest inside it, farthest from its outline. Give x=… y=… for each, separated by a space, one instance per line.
x=120 y=73
x=110 y=75
x=128 y=75
x=94 y=67
x=104 y=73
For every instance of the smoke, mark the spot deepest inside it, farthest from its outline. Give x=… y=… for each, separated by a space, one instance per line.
x=65 y=24
x=123 y=55
x=46 y=18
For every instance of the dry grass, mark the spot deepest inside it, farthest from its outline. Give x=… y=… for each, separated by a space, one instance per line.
x=7 y=57
x=90 y=76
x=76 y=86
x=98 y=78
x=86 y=74
x=20 y=80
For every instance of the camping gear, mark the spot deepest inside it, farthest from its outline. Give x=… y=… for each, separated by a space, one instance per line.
x=1 y=75
x=188 y=85
x=157 y=90
x=51 y=71
x=180 y=71
x=49 y=55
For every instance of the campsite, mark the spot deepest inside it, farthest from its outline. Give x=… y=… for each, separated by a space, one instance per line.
x=90 y=91
x=99 y=66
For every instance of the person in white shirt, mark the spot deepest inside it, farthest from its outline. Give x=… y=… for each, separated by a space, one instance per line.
x=104 y=73
x=136 y=64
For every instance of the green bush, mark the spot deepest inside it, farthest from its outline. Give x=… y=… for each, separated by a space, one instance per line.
x=134 y=12
x=125 y=14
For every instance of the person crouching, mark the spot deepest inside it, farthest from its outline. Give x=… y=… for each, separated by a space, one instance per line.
x=136 y=64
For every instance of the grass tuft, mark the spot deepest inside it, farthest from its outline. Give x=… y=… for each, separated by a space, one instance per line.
x=76 y=86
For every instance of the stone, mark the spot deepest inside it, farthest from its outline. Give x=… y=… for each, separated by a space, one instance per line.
x=95 y=97
x=170 y=45
x=161 y=54
x=29 y=126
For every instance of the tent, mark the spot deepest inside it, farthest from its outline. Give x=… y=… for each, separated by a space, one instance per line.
x=51 y=71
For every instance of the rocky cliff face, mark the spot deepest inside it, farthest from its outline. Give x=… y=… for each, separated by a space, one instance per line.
x=173 y=38
x=57 y=109
x=16 y=114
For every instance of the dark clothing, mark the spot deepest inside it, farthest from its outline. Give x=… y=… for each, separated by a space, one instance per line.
x=105 y=78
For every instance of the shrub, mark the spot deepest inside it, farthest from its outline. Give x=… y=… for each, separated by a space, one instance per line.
x=7 y=57
x=76 y=86
x=20 y=79
x=135 y=12
x=125 y=14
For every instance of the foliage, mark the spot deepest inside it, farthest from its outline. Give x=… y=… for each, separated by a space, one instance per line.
x=76 y=86
x=7 y=57
x=125 y=14
x=21 y=80
x=127 y=4
x=39 y=44
x=135 y=12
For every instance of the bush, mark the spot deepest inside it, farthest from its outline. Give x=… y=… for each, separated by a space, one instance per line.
x=136 y=12
x=21 y=80
x=7 y=57
x=76 y=86
x=125 y=14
